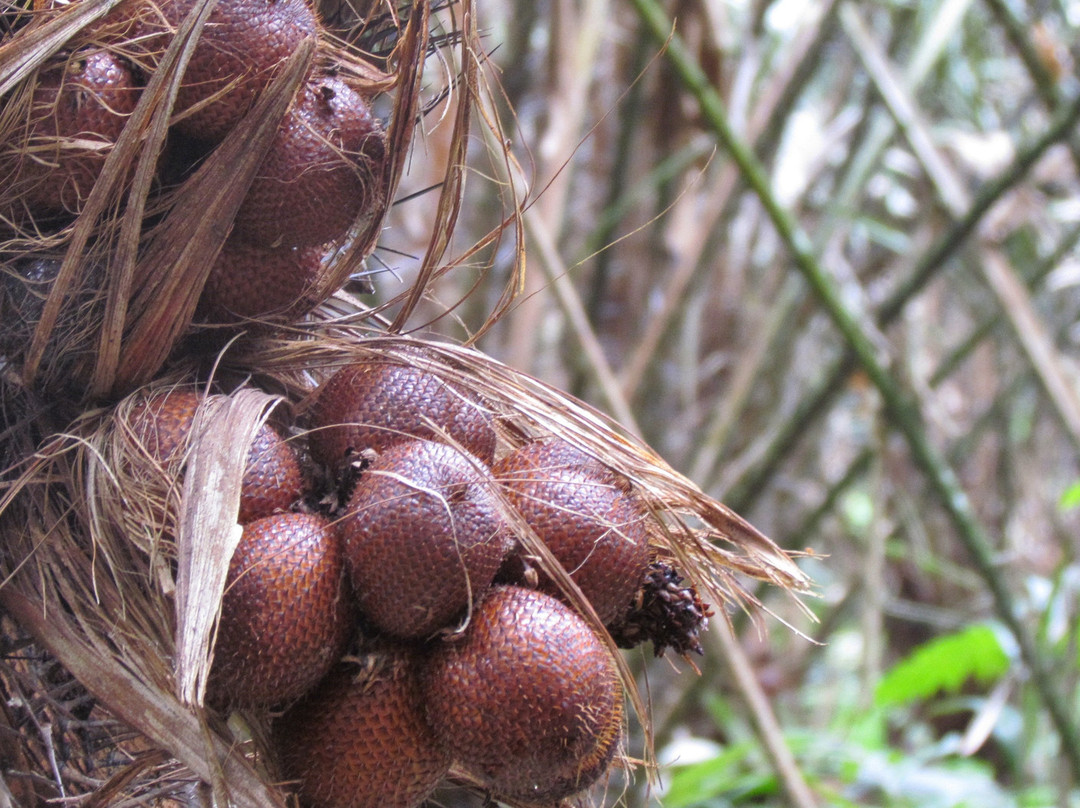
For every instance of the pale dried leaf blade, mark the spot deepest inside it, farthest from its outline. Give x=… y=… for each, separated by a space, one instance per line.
x=208 y=532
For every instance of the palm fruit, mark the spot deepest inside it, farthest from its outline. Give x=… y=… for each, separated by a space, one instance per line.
x=238 y=52
x=369 y=405
x=320 y=173
x=256 y=283
x=528 y=698
x=360 y=739
x=423 y=537
x=586 y=516
x=273 y=479
x=286 y=617
x=78 y=109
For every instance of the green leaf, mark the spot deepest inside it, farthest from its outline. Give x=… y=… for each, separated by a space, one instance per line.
x=730 y=776
x=858 y=509
x=1071 y=497
x=944 y=664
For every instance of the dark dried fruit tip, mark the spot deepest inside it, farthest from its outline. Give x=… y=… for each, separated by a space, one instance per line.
x=665 y=612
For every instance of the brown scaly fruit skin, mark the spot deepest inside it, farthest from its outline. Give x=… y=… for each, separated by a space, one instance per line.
x=589 y=771
x=367 y=406
x=240 y=48
x=320 y=173
x=361 y=741
x=423 y=537
x=528 y=699
x=286 y=617
x=88 y=97
x=594 y=527
x=273 y=479
x=250 y=282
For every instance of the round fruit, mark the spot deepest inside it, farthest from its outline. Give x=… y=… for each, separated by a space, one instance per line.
x=241 y=45
x=529 y=698
x=593 y=526
x=253 y=282
x=372 y=404
x=78 y=110
x=273 y=479
x=556 y=455
x=360 y=739
x=320 y=173
x=423 y=537
x=285 y=615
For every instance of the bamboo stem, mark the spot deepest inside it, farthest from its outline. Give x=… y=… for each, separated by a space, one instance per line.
x=1000 y=276
x=903 y=410
x=768 y=728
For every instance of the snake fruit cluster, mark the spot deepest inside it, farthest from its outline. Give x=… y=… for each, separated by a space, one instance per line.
x=321 y=175
x=418 y=558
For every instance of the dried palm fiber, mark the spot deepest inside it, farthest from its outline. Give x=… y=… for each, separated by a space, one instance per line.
x=130 y=266
x=119 y=578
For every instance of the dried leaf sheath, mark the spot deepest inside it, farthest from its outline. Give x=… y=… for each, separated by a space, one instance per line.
x=208 y=532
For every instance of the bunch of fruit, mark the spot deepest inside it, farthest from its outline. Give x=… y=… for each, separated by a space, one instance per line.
x=321 y=177
x=439 y=554
x=427 y=584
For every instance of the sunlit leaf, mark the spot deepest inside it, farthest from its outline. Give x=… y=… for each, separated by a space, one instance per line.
x=944 y=664
x=1071 y=497
x=727 y=775
x=858 y=509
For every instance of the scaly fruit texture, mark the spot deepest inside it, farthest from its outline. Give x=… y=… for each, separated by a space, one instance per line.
x=240 y=48
x=249 y=282
x=528 y=699
x=286 y=617
x=423 y=537
x=321 y=172
x=360 y=739
x=77 y=110
x=369 y=405
x=273 y=479
x=593 y=526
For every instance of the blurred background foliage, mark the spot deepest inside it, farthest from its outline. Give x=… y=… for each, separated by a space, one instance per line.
x=821 y=254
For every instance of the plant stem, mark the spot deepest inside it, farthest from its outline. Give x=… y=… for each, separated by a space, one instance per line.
x=903 y=410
